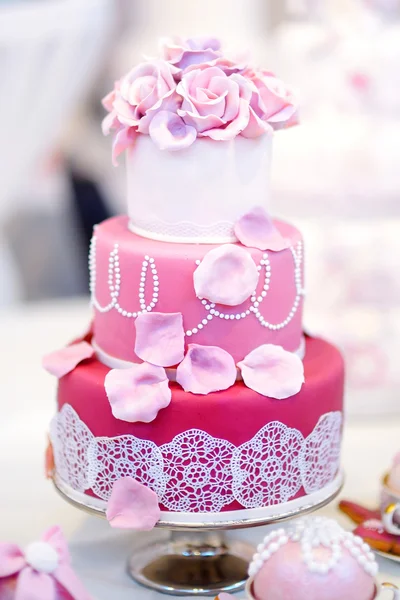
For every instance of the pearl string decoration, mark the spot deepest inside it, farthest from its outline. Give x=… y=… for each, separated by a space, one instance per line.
x=114 y=282
x=311 y=534
x=256 y=301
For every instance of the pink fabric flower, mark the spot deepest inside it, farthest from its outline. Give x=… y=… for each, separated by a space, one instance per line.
x=132 y=505
x=41 y=569
x=226 y=275
x=170 y=132
x=136 y=98
x=272 y=371
x=206 y=369
x=63 y=361
x=272 y=105
x=216 y=104
x=137 y=393
x=255 y=229
x=160 y=338
x=183 y=53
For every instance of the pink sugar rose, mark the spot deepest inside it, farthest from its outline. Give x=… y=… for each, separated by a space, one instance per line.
x=215 y=103
x=136 y=98
x=183 y=53
x=272 y=104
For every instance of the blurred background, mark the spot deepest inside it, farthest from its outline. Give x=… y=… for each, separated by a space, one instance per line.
x=337 y=176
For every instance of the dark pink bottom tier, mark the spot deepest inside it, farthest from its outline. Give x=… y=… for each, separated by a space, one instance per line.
x=225 y=451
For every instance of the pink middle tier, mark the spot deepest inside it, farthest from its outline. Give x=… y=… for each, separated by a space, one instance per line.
x=130 y=274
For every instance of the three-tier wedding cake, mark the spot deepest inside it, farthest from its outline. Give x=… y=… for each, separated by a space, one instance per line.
x=196 y=380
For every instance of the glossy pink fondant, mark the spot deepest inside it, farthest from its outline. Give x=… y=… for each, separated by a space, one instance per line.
x=235 y=414
x=114 y=333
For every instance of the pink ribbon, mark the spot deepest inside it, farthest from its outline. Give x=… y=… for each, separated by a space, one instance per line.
x=36 y=584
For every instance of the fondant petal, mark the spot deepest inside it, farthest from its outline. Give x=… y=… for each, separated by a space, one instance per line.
x=122 y=140
x=272 y=371
x=55 y=537
x=11 y=559
x=206 y=369
x=34 y=585
x=137 y=393
x=160 y=338
x=226 y=275
x=256 y=229
x=169 y=131
x=63 y=361
x=132 y=506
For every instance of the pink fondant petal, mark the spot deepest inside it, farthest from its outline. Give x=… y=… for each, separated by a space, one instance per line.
x=256 y=230
x=55 y=538
x=63 y=361
x=160 y=338
x=137 y=393
x=206 y=369
x=32 y=585
x=68 y=580
x=272 y=371
x=226 y=275
x=132 y=506
x=11 y=559
x=122 y=140
x=169 y=131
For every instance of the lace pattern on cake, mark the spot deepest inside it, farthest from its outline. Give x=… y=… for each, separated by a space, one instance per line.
x=196 y=472
x=112 y=458
x=199 y=472
x=266 y=469
x=221 y=232
x=71 y=440
x=320 y=455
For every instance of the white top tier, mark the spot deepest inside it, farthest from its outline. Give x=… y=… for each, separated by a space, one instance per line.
x=196 y=195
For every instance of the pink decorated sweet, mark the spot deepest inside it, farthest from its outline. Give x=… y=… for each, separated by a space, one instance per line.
x=215 y=104
x=394 y=475
x=314 y=559
x=41 y=571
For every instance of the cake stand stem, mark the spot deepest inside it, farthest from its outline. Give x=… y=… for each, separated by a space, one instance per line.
x=198 y=563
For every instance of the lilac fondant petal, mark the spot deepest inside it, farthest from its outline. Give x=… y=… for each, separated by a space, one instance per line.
x=256 y=126
x=132 y=506
x=226 y=275
x=63 y=361
x=169 y=131
x=137 y=393
x=272 y=371
x=234 y=128
x=11 y=559
x=255 y=229
x=206 y=369
x=122 y=140
x=160 y=338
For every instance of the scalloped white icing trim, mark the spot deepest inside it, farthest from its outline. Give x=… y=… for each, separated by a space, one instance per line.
x=118 y=363
x=196 y=472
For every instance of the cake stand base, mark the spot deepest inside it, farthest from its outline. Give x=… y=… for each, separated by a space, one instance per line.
x=192 y=564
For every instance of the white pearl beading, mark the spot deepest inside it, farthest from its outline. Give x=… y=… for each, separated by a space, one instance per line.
x=256 y=300
x=114 y=286
x=114 y=283
x=310 y=534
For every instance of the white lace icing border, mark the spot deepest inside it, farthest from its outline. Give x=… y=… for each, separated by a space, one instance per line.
x=197 y=473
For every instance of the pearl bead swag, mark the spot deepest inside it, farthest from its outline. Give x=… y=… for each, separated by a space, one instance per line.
x=310 y=534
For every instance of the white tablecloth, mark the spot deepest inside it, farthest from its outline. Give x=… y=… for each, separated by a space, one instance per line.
x=28 y=503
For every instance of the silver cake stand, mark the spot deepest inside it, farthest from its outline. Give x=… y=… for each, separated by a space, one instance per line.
x=197 y=559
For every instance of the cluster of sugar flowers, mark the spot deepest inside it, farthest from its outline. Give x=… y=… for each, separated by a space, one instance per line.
x=192 y=90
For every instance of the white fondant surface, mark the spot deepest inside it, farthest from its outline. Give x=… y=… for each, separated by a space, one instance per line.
x=196 y=194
